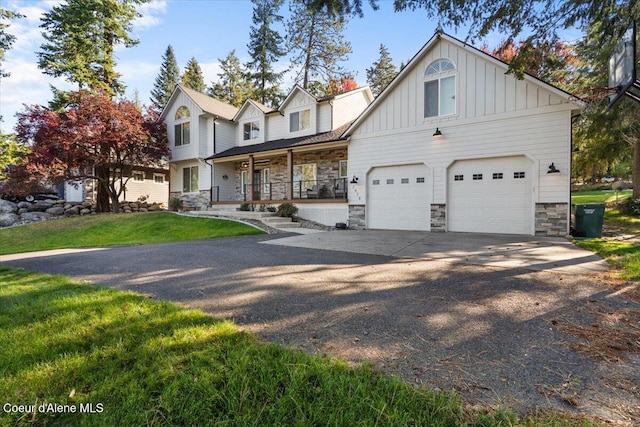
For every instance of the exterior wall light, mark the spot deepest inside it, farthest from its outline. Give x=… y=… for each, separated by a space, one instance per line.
x=552 y=169
x=437 y=133
x=354 y=180
x=225 y=177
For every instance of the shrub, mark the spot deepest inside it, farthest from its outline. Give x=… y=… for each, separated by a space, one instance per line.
x=287 y=210
x=176 y=204
x=246 y=207
x=271 y=208
x=630 y=207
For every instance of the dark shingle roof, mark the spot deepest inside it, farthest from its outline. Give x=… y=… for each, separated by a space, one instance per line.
x=278 y=144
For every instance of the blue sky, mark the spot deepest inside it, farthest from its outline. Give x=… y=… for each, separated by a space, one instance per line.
x=205 y=29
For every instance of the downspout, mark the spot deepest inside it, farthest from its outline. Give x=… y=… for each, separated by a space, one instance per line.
x=573 y=121
x=211 y=165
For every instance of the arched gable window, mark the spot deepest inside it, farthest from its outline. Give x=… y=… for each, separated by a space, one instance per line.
x=182 y=113
x=182 y=129
x=440 y=88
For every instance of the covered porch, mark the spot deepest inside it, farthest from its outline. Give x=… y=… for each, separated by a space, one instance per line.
x=263 y=174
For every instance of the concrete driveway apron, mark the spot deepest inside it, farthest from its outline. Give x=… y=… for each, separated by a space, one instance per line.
x=493 y=250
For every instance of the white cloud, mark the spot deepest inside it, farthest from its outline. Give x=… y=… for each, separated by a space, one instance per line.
x=26 y=85
x=152 y=14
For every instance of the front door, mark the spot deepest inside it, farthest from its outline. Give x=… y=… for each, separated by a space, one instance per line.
x=257 y=181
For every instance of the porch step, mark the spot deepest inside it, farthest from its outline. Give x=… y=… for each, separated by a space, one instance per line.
x=280 y=222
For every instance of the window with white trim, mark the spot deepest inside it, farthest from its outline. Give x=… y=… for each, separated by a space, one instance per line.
x=244 y=180
x=300 y=120
x=266 y=180
x=190 y=179
x=440 y=88
x=158 y=178
x=251 y=130
x=305 y=176
x=182 y=129
x=138 y=176
x=343 y=169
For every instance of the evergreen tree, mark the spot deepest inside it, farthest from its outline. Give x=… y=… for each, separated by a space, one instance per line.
x=266 y=47
x=167 y=80
x=540 y=20
x=234 y=86
x=192 y=77
x=316 y=43
x=6 y=39
x=381 y=72
x=81 y=36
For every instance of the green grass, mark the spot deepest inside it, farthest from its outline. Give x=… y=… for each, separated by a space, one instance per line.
x=112 y=230
x=623 y=256
x=143 y=362
x=600 y=196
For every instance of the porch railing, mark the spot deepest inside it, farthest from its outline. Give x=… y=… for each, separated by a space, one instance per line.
x=335 y=189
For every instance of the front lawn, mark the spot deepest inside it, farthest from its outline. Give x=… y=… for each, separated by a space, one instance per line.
x=599 y=196
x=112 y=230
x=622 y=255
x=110 y=358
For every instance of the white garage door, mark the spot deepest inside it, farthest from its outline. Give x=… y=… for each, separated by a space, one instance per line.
x=399 y=198
x=491 y=196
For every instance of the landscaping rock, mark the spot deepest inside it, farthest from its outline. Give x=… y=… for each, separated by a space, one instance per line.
x=56 y=210
x=73 y=211
x=85 y=211
x=7 y=207
x=8 y=219
x=24 y=205
x=35 y=216
x=40 y=206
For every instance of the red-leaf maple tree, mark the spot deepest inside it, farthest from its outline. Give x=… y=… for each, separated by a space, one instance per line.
x=94 y=137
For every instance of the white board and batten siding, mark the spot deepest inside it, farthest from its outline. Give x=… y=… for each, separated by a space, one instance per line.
x=499 y=121
x=192 y=149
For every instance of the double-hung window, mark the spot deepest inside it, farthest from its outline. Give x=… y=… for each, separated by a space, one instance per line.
x=440 y=88
x=182 y=128
x=190 y=179
x=300 y=120
x=251 y=130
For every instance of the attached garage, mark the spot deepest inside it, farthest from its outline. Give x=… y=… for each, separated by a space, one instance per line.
x=399 y=197
x=493 y=195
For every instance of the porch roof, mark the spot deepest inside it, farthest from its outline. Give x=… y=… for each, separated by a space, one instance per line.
x=279 y=144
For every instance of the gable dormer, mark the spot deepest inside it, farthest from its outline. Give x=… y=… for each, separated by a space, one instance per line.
x=300 y=110
x=252 y=123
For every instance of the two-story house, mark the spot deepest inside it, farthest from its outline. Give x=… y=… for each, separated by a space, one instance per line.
x=453 y=143
x=255 y=154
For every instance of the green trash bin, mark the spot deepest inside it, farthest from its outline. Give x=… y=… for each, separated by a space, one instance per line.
x=589 y=218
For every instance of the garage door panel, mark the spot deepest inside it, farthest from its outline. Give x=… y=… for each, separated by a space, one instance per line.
x=491 y=195
x=399 y=198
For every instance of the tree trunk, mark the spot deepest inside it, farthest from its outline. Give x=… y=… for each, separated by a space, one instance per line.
x=636 y=168
x=102 y=196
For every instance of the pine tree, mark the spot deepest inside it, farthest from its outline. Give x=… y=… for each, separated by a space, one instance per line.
x=167 y=80
x=381 y=72
x=6 y=39
x=234 y=86
x=266 y=47
x=192 y=77
x=316 y=43
x=81 y=36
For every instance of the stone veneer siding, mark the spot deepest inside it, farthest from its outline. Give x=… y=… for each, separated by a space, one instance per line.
x=439 y=217
x=551 y=219
x=357 y=217
x=193 y=201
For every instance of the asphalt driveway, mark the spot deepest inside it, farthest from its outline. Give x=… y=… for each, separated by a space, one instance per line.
x=489 y=332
